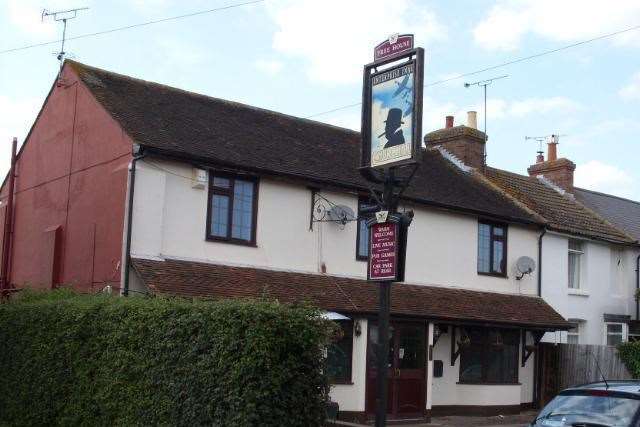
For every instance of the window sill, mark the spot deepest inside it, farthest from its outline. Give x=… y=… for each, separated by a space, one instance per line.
x=499 y=275
x=578 y=292
x=344 y=382
x=231 y=242
x=483 y=383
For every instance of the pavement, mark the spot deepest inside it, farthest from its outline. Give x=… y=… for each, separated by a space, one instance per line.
x=521 y=420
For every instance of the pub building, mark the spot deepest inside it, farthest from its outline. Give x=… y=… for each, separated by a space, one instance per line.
x=226 y=200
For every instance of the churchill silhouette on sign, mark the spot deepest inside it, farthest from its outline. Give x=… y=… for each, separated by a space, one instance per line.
x=392 y=130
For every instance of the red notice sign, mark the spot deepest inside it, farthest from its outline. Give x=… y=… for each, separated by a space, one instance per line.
x=393 y=46
x=383 y=251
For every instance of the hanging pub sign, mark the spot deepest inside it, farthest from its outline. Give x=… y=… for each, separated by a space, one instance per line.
x=387 y=247
x=392 y=107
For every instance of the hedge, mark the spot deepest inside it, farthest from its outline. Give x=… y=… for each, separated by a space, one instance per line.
x=71 y=359
x=630 y=354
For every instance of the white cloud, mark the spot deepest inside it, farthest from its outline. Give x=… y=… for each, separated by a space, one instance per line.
x=26 y=16
x=543 y=105
x=16 y=118
x=568 y=20
x=595 y=175
x=269 y=66
x=337 y=38
x=632 y=90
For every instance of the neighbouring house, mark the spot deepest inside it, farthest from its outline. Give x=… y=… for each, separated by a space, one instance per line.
x=225 y=200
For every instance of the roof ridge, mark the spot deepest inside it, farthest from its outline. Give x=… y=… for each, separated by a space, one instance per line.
x=613 y=196
x=570 y=197
x=77 y=66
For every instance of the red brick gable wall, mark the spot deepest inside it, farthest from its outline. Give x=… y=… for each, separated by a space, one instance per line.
x=70 y=193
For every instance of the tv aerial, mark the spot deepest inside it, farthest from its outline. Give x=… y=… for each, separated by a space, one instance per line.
x=525 y=265
x=549 y=139
x=62 y=16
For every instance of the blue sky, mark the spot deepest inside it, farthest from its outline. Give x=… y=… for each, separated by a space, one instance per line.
x=304 y=57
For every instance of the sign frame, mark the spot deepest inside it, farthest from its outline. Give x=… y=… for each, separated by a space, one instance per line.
x=400 y=248
x=416 y=58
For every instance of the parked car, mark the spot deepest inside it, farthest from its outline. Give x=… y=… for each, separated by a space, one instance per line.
x=612 y=403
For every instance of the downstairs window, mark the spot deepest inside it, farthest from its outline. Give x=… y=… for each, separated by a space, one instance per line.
x=489 y=356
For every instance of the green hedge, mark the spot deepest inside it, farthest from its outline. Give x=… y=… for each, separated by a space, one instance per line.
x=70 y=359
x=630 y=355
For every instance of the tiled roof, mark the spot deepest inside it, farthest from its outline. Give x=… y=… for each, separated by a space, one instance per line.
x=227 y=133
x=562 y=211
x=623 y=213
x=346 y=295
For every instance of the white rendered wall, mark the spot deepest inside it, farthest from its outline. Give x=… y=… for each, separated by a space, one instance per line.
x=170 y=221
x=605 y=286
x=351 y=397
x=446 y=390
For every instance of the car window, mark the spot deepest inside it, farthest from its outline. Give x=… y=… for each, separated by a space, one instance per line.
x=565 y=410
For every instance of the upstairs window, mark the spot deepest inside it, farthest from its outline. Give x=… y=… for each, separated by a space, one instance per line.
x=575 y=260
x=492 y=249
x=232 y=209
x=362 y=238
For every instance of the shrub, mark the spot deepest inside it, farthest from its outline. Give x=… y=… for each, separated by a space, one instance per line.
x=70 y=359
x=630 y=355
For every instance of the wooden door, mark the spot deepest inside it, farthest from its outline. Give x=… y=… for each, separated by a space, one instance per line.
x=406 y=385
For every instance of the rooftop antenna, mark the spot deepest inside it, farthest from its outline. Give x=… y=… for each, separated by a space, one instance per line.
x=553 y=138
x=62 y=15
x=484 y=84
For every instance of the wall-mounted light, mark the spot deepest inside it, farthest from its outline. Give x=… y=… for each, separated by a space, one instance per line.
x=357 y=329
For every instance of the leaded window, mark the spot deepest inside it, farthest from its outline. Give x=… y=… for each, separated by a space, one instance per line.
x=492 y=249
x=232 y=208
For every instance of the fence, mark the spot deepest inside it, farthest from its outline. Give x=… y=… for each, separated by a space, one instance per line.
x=567 y=365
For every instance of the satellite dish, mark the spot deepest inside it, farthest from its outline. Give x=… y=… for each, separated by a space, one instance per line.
x=341 y=214
x=525 y=265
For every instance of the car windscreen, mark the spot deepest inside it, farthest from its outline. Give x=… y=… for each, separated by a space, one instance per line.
x=598 y=409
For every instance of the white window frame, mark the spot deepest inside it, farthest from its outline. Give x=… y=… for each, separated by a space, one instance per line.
x=579 y=254
x=575 y=331
x=623 y=332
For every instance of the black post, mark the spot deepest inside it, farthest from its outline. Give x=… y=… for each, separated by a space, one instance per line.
x=383 y=353
x=383 y=317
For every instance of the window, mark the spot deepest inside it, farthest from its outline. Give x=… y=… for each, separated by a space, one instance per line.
x=339 y=354
x=362 y=238
x=232 y=209
x=489 y=356
x=614 y=333
x=492 y=249
x=575 y=259
x=573 y=334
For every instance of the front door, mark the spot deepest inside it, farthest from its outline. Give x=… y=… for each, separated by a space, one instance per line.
x=406 y=370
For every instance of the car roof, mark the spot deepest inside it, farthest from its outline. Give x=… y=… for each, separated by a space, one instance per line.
x=626 y=386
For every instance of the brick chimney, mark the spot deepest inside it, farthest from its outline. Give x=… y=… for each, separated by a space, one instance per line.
x=558 y=171
x=465 y=142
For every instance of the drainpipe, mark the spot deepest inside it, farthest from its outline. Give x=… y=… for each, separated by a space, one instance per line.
x=5 y=280
x=137 y=155
x=637 y=287
x=544 y=231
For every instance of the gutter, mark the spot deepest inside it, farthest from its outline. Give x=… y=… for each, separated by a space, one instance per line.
x=544 y=231
x=137 y=155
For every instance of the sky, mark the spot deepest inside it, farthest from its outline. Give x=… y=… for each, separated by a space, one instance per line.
x=304 y=57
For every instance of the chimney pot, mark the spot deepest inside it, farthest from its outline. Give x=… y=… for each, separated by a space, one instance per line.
x=472 y=119
x=540 y=157
x=449 y=122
